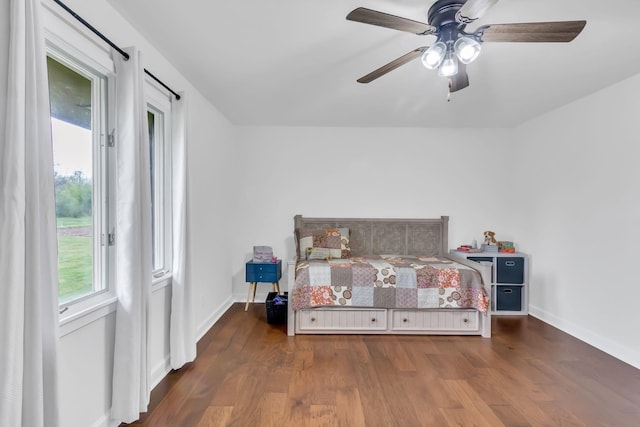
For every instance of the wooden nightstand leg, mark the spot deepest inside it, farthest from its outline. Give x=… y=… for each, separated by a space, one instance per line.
x=251 y=285
x=277 y=285
x=255 y=286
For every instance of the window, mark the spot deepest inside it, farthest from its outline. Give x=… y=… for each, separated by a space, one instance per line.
x=81 y=85
x=78 y=96
x=159 y=119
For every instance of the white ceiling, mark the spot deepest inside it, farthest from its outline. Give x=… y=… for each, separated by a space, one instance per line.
x=295 y=62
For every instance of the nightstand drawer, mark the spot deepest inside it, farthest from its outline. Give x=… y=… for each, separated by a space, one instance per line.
x=263 y=272
x=261 y=277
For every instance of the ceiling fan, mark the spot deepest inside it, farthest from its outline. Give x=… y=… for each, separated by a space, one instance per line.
x=454 y=47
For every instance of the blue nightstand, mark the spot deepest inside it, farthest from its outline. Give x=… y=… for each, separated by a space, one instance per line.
x=262 y=272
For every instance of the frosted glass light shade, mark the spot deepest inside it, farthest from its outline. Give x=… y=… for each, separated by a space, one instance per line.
x=449 y=66
x=432 y=57
x=467 y=49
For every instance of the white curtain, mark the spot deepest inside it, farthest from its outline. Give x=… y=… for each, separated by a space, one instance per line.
x=28 y=247
x=133 y=242
x=182 y=330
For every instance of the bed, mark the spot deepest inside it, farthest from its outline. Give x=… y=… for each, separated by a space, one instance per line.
x=383 y=276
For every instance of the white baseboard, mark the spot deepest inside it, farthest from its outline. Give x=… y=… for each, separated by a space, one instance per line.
x=615 y=349
x=204 y=327
x=160 y=371
x=103 y=421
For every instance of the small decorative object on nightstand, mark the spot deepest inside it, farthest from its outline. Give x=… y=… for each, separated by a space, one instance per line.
x=262 y=272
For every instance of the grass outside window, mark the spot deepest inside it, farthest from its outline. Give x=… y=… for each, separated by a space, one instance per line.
x=75 y=257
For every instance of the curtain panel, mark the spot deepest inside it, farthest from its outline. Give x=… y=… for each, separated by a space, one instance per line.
x=182 y=336
x=28 y=255
x=131 y=390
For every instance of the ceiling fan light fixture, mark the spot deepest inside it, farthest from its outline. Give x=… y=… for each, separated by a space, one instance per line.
x=449 y=66
x=467 y=49
x=433 y=57
x=455 y=48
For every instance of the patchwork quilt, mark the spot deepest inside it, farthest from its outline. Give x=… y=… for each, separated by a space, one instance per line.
x=388 y=281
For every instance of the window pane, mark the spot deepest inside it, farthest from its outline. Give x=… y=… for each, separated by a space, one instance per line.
x=156 y=149
x=71 y=112
x=152 y=120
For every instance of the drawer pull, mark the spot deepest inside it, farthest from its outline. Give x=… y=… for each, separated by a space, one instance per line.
x=465 y=320
x=507 y=291
x=510 y=263
x=373 y=319
x=313 y=319
x=405 y=320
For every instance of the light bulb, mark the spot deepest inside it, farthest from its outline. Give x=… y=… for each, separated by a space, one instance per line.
x=449 y=66
x=467 y=49
x=433 y=56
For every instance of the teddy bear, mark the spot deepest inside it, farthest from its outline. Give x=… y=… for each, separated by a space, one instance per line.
x=489 y=238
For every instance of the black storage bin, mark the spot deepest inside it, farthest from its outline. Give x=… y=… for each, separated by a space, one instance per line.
x=276 y=313
x=509 y=298
x=483 y=259
x=480 y=258
x=510 y=270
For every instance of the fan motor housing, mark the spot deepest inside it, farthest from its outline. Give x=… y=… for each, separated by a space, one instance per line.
x=443 y=12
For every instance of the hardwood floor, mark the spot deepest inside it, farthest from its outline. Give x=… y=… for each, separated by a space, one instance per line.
x=249 y=373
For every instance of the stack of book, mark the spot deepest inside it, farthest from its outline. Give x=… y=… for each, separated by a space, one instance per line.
x=506 y=247
x=467 y=248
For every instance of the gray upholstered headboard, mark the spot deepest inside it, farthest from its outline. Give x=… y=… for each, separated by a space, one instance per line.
x=376 y=236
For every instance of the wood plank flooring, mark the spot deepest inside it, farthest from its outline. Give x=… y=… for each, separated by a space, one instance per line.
x=249 y=373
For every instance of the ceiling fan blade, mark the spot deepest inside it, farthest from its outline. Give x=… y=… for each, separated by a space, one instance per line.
x=392 y=65
x=563 y=31
x=381 y=19
x=460 y=80
x=473 y=9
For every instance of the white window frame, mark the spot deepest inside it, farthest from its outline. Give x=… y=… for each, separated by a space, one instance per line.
x=99 y=213
x=72 y=46
x=158 y=102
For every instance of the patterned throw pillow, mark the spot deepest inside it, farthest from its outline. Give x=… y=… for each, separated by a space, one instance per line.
x=324 y=244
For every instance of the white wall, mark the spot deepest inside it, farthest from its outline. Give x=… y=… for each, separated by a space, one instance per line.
x=210 y=190
x=580 y=208
x=366 y=172
x=85 y=363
